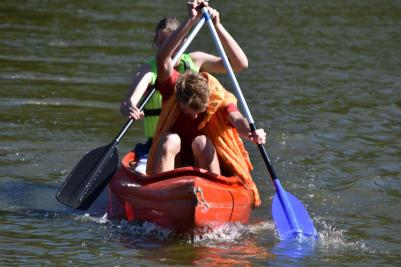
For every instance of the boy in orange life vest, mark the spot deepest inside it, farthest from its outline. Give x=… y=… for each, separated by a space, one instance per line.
x=199 y=124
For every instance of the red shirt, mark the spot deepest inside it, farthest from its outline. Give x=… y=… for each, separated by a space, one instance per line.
x=185 y=126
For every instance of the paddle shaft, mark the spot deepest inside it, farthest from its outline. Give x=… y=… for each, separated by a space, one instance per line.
x=237 y=88
x=276 y=182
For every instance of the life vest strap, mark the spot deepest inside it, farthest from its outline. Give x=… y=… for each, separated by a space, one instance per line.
x=152 y=112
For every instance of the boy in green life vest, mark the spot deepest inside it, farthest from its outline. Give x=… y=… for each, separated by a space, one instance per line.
x=197 y=61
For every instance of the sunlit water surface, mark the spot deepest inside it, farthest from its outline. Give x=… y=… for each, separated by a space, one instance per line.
x=324 y=79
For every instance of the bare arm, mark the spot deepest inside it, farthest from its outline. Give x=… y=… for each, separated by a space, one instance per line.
x=242 y=126
x=140 y=83
x=166 y=51
x=235 y=54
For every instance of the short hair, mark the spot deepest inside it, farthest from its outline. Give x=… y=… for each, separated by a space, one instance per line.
x=193 y=90
x=167 y=24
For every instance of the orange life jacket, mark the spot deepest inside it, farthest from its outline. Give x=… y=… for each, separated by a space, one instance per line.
x=225 y=138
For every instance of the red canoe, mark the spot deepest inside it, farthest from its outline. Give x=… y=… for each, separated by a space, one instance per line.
x=182 y=199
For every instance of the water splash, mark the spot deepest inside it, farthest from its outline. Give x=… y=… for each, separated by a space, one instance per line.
x=88 y=218
x=206 y=236
x=235 y=236
x=332 y=239
x=232 y=232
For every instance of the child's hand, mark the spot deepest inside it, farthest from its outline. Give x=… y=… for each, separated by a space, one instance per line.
x=214 y=14
x=135 y=113
x=194 y=7
x=258 y=136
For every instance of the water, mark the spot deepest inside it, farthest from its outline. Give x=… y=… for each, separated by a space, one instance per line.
x=324 y=79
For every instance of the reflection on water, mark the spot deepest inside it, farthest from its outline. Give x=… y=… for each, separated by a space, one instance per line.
x=246 y=254
x=295 y=248
x=231 y=244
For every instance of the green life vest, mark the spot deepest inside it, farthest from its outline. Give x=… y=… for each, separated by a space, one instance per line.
x=153 y=107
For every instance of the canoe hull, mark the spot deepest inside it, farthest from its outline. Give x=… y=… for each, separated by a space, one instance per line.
x=182 y=199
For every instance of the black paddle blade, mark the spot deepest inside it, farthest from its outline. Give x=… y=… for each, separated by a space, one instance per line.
x=89 y=177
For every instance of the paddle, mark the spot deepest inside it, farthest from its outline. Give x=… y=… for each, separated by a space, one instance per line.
x=93 y=172
x=290 y=216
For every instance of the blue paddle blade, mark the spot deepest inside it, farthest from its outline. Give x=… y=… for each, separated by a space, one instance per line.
x=291 y=217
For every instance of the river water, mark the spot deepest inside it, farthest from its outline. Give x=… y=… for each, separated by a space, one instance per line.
x=324 y=80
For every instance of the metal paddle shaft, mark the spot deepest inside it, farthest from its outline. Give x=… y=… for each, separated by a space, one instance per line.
x=290 y=217
x=93 y=172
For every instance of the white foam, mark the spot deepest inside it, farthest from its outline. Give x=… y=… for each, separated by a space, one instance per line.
x=332 y=238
